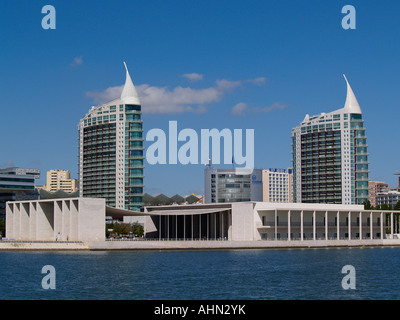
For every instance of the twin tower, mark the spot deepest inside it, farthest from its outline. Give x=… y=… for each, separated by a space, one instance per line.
x=330 y=158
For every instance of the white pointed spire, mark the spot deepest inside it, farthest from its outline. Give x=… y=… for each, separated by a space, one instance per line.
x=129 y=94
x=351 y=105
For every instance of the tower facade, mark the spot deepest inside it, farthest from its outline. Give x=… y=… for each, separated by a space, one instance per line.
x=111 y=151
x=330 y=158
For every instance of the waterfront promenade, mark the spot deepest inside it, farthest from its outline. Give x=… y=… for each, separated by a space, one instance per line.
x=189 y=245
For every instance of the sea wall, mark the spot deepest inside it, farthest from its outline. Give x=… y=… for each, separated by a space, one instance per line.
x=212 y=245
x=46 y=246
x=189 y=245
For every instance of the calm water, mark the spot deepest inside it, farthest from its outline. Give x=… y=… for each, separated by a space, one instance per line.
x=230 y=274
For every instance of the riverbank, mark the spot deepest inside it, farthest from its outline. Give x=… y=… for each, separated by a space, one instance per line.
x=189 y=245
x=215 y=245
x=42 y=246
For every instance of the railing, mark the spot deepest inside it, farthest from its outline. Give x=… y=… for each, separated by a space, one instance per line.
x=169 y=239
x=36 y=241
x=318 y=224
x=323 y=238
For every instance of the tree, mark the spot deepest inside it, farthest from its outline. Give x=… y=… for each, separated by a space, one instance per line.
x=397 y=206
x=122 y=228
x=384 y=206
x=367 y=205
x=137 y=229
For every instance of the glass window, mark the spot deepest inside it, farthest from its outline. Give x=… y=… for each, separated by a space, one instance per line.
x=132 y=117
x=131 y=107
x=136 y=172
x=137 y=144
x=135 y=135
x=136 y=181
x=136 y=153
x=134 y=163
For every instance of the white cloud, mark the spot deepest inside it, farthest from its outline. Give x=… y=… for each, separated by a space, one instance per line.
x=193 y=76
x=163 y=100
x=239 y=109
x=242 y=108
x=77 y=61
x=273 y=106
x=100 y=97
x=258 y=81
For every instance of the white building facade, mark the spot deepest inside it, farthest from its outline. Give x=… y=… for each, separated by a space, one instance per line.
x=330 y=158
x=72 y=219
x=259 y=221
x=111 y=151
x=277 y=185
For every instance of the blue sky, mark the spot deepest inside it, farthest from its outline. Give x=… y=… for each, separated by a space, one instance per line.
x=274 y=60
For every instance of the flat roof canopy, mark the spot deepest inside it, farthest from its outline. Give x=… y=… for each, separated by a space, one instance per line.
x=186 y=211
x=115 y=212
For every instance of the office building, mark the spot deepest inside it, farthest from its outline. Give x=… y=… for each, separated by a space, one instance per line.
x=235 y=185
x=111 y=152
x=277 y=185
x=390 y=197
x=17 y=184
x=374 y=188
x=330 y=158
x=232 y=185
x=60 y=180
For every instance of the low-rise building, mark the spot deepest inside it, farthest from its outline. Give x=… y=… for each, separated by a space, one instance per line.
x=60 y=180
x=391 y=197
x=277 y=185
x=232 y=185
x=375 y=188
x=17 y=184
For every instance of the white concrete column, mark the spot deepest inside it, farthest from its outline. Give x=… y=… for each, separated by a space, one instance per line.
x=159 y=227
x=371 y=223
x=167 y=226
x=314 y=224
x=200 y=226
x=276 y=224
x=301 y=225
x=391 y=224
x=326 y=225
x=360 y=226
x=349 y=225
x=338 y=225
x=222 y=225
x=208 y=226
x=215 y=225
x=381 y=225
x=288 y=216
